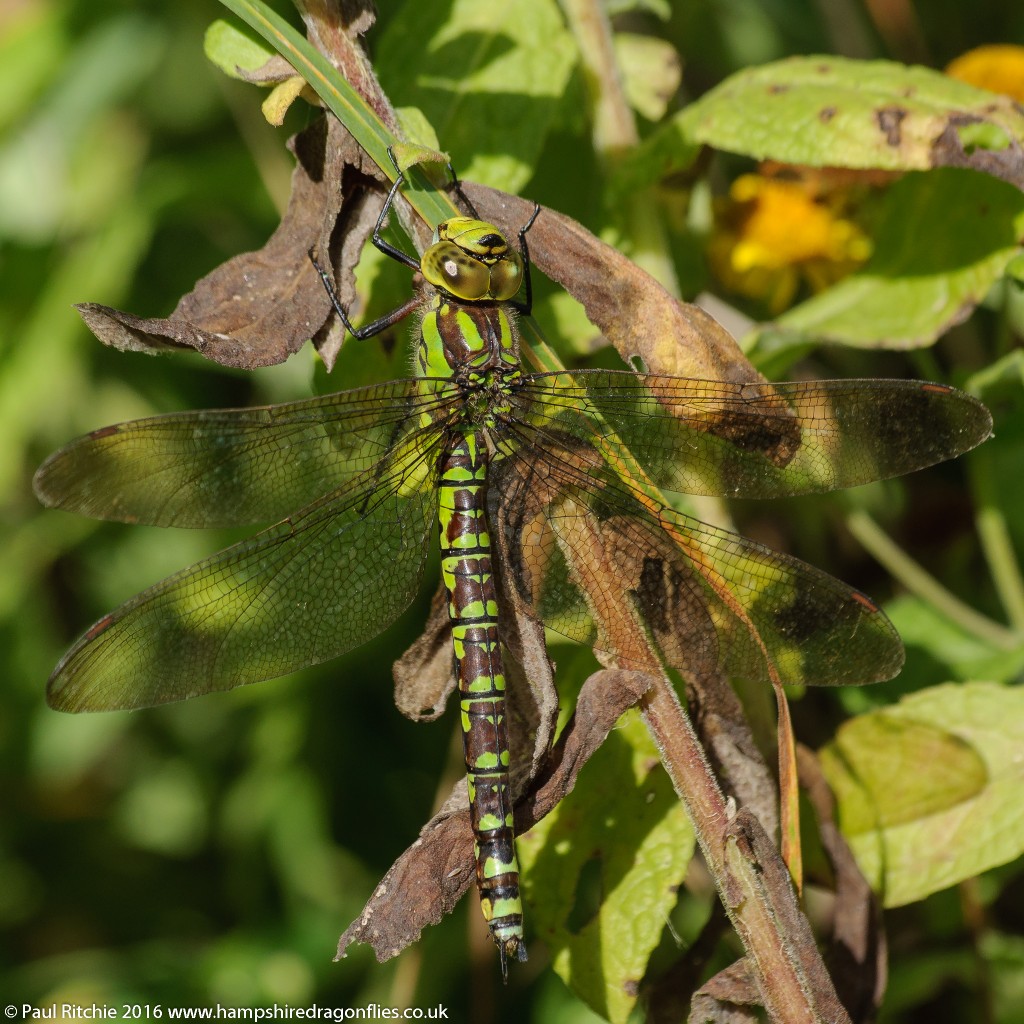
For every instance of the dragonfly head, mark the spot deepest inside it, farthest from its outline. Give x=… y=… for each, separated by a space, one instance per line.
x=471 y=260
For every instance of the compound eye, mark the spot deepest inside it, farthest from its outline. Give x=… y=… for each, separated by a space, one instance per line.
x=446 y=266
x=506 y=277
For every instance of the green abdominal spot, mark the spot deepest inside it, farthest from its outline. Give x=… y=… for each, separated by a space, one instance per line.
x=490 y=822
x=494 y=868
x=486 y=762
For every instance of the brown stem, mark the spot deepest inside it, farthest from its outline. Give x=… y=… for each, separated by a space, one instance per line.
x=749 y=874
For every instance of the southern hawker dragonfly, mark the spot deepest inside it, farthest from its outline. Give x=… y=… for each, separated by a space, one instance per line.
x=355 y=482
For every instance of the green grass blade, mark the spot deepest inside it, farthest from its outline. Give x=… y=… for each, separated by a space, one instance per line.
x=362 y=121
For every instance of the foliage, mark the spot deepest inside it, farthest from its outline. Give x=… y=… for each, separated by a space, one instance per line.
x=211 y=851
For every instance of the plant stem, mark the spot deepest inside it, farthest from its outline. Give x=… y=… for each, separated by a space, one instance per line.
x=996 y=542
x=749 y=874
x=920 y=582
x=615 y=133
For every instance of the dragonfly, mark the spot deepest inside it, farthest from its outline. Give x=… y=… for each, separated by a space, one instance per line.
x=529 y=479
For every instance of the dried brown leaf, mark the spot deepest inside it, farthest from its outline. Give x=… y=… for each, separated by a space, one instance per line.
x=727 y=998
x=427 y=881
x=273 y=72
x=334 y=28
x=633 y=311
x=260 y=307
x=950 y=150
x=858 y=955
x=641 y=319
x=424 y=677
x=532 y=695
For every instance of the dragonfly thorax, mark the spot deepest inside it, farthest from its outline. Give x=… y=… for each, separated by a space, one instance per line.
x=462 y=340
x=468 y=329
x=471 y=261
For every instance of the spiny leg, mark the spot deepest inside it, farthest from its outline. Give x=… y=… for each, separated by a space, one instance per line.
x=456 y=186
x=407 y=307
x=525 y=308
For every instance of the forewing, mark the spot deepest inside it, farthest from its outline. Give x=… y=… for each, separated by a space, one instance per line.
x=758 y=440
x=315 y=585
x=231 y=467
x=587 y=554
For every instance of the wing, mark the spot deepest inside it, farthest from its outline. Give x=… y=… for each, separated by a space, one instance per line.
x=758 y=440
x=232 y=467
x=598 y=563
x=313 y=586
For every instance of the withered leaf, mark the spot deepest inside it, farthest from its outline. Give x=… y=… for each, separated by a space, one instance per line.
x=641 y=319
x=260 y=307
x=634 y=312
x=951 y=150
x=273 y=72
x=427 y=881
x=532 y=695
x=857 y=956
x=334 y=28
x=727 y=998
x=424 y=677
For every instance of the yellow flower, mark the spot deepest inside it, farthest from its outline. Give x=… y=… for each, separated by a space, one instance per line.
x=996 y=67
x=774 y=233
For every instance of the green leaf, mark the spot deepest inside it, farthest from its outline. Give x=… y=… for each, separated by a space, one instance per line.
x=32 y=48
x=231 y=49
x=927 y=631
x=830 y=111
x=491 y=79
x=601 y=872
x=417 y=129
x=1003 y=377
x=944 y=239
x=42 y=186
x=872 y=751
x=1003 y=956
x=928 y=791
x=348 y=105
x=651 y=72
x=661 y=9
x=1015 y=269
x=662 y=154
x=997 y=467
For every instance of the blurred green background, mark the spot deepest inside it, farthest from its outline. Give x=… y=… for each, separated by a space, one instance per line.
x=212 y=851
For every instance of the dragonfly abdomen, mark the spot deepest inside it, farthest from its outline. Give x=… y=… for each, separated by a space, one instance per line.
x=473 y=610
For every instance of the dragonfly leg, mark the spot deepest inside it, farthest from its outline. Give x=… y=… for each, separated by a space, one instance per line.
x=382 y=323
x=456 y=185
x=526 y=306
x=386 y=247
